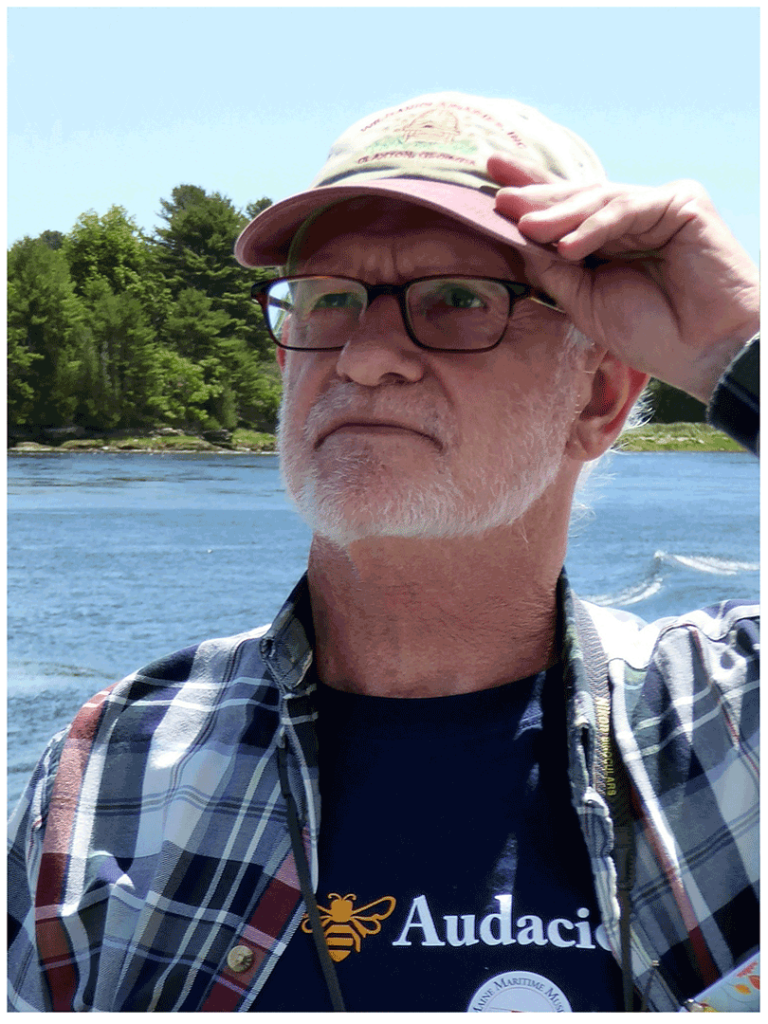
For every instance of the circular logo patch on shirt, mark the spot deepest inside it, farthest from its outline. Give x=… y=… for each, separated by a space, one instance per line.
x=519 y=992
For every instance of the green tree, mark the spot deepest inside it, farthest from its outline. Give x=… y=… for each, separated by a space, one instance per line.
x=195 y=254
x=195 y=250
x=258 y=389
x=108 y=328
x=254 y=209
x=46 y=332
x=111 y=248
x=122 y=375
x=53 y=239
x=669 y=405
x=183 y=393
x=194 y=326
x=21 y=360
x=197 y=331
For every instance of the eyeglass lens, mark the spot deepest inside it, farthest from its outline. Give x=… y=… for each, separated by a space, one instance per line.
x=450 y=313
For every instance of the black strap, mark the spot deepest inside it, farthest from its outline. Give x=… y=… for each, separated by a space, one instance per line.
x=610 y=779
x=302 y=869
x=612 y=783
x=735 y=403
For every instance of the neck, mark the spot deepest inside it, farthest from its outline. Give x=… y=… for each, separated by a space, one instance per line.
x=426 y=618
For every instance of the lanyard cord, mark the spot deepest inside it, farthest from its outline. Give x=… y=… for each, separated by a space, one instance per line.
x=302 y=869
x=624 y=856
x=610 y=777
x=612 y=783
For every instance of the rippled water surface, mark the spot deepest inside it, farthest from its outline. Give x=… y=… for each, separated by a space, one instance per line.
x=115 y=559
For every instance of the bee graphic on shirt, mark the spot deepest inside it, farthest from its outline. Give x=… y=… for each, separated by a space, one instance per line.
x=344 y=926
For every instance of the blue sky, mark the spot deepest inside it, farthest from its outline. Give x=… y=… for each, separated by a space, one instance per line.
x=116 y=106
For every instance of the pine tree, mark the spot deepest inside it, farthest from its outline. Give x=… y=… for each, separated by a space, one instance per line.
x=213 y=317
x=46 y=332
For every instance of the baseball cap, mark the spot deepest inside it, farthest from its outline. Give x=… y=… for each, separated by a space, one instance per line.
x=431 y=151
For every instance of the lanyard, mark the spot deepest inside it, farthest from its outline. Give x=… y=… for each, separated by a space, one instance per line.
x=302 y=869
x=611 y=782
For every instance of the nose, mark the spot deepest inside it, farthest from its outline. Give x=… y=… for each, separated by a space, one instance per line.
x=380 y=351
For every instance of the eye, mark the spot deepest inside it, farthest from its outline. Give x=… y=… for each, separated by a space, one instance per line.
x=458 y=297
x=337 y=300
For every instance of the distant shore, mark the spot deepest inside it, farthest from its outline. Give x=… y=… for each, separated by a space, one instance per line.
x=677 y=437
x=166 y=440
x=653 y=437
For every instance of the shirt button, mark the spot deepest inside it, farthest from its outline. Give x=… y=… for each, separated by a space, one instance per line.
x=240 y=958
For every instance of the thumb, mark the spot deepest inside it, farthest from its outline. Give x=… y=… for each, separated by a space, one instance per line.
x=552 y=273
x=569 y=284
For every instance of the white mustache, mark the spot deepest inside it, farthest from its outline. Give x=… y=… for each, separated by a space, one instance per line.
x=348 y=402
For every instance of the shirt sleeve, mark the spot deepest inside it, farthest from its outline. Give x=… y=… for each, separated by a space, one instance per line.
x=735 y=405
x=27 y=989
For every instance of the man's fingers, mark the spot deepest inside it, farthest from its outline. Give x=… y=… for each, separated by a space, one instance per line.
x=624 y=224
x=550 y=224
x=613 y=221
x=519 y=171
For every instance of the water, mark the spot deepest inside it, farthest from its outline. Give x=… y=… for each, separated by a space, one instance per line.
x=115 y=559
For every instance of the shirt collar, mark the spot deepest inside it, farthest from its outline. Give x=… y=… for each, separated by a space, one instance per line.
x=288 y=645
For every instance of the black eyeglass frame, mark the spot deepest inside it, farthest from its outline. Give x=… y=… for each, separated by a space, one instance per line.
x=516 y=290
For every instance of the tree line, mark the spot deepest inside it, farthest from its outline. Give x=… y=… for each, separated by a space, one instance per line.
x=110 y=328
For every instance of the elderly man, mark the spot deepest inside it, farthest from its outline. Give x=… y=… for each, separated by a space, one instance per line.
x=528 y=803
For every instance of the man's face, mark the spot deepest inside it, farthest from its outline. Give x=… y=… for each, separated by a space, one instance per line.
x=383 y=438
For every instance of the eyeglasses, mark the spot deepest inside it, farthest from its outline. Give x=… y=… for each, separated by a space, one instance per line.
x=309 y=312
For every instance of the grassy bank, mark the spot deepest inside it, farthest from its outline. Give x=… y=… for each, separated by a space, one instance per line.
x=654 y=437
x=677 y=437
x=239 y=441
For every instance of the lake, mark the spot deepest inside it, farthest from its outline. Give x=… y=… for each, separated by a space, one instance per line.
x=115 y=559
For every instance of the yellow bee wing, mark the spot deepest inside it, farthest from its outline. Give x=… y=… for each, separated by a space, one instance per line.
x=369 y=924
x=306 y=924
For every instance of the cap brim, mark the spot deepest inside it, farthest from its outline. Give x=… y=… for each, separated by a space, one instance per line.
x=266 y=240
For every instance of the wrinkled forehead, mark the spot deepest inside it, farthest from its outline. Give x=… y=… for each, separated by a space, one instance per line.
x=381 y=219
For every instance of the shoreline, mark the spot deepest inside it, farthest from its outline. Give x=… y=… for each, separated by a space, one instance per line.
x=32 y=448
x=652 y=437
x=39 y=449
x=676 y=437
x=161 y=441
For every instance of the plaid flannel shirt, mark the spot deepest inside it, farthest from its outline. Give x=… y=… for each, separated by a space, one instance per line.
x=151 y=866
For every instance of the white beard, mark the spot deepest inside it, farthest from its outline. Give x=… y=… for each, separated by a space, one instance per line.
x=362 y=496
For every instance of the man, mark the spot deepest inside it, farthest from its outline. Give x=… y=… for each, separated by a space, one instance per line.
x=471 y=313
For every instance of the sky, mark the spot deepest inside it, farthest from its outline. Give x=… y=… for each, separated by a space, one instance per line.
x=118 y=105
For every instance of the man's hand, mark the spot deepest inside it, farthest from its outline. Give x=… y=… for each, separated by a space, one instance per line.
x=666 y=287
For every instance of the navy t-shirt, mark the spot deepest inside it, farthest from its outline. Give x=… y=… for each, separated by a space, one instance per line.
x=453 y=874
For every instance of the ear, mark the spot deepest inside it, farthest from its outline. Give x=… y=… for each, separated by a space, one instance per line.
x=280 y=356
x=610 y=393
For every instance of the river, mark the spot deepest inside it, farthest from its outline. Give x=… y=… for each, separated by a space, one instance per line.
x=115 y=559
